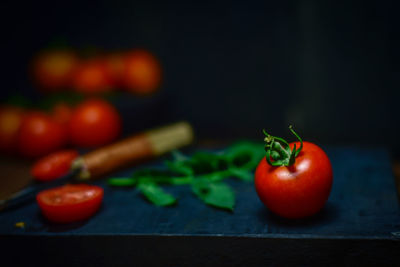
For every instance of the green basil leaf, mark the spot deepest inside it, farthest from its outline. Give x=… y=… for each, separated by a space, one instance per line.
x=151 y=173
x=156 y=194
x=245 y=155
x=206 y=162
x=218 y=195
x=179 y=167
x=121 y=181
x=160 y=177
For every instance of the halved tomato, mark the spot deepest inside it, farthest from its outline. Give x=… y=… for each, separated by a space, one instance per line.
x=70 y=203
x=54 y=165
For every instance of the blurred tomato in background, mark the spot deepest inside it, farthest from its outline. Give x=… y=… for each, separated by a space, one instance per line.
x=141 y=73
x=115 y=66
x=52 y=69
x=91 y=77
x=93 y=123
x=10 y=121
x=61 y=112
x=40 y=134
x=66 y=113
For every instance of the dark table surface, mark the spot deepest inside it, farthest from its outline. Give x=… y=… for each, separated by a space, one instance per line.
x=363 y=205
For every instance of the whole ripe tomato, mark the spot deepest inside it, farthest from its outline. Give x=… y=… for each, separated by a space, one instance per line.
x=300 y=183
x=141 y=72
x=61 y=113
x=70 y=203
x=94 y=123
x=91 y=76
x=115 y=65
x=40 y=134
x=53 y=165
x=53 y=70
x=10 y=121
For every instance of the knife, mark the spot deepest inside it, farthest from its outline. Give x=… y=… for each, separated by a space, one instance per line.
x=95 y=164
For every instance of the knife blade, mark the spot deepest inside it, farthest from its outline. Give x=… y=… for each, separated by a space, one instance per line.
x=28 y=193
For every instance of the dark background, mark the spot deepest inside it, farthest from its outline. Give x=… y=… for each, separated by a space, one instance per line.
x=233 y=68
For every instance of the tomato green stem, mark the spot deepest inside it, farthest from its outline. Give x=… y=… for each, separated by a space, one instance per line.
x=278 y=152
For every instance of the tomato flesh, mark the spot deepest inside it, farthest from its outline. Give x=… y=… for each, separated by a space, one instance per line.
x=296 y=191
x=70 y=203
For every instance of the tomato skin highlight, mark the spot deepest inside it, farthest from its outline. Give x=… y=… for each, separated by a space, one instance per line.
x=39 y=134
x=296 y=191
x=70 y=203
x=54 y=165
x=94 y=123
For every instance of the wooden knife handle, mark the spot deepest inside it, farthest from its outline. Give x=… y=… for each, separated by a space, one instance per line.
x=133 y=149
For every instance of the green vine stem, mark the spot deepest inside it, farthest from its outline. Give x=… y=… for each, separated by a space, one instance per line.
x=278 y=152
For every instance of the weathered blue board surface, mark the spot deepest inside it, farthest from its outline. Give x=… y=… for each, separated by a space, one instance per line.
x=360 y=223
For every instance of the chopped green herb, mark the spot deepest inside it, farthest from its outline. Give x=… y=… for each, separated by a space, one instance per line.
x=243 y=175
x=203 y=171
x=215 y=194
x=122 y=181
x=156 y=194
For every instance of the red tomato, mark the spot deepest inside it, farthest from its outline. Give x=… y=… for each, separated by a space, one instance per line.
x=40 y=134
x=299 y=190
x=61 y=113
x=141 y=73
x=70 y=203
x=54 y=165
x=115 y=65
x=10 y=121
x=52 y=70
x=91 y=76
x=94 y=123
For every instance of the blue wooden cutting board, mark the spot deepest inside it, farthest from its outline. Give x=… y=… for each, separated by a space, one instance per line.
x=359 y=223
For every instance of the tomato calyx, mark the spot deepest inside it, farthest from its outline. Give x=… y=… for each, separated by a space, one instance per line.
x=278 y=150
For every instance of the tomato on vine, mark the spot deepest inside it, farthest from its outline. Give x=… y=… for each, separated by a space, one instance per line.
x=293 y=180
